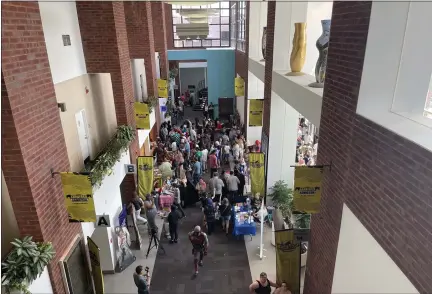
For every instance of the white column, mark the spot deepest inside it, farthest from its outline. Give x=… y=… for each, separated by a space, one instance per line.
x=282 y=142
x=282 y=36
x=254 y=30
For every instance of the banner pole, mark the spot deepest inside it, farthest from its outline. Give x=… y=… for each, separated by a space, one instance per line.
x=261 y=254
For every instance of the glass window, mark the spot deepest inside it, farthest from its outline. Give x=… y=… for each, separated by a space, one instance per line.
x=428 y=104
x=216 y=43
x=196 y=43
x=225 y=20
x=214 y=32
x=178 y=43
x=206 y=43
x=188 y=43
x=225 y=43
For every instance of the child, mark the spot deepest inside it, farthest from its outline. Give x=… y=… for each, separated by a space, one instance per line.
x=173 y=219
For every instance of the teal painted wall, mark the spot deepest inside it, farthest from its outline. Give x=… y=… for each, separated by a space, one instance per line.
x=220 y=70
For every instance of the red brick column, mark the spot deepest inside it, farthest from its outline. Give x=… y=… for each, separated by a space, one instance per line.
x=32 y=135
x=268 y=70
x=169 y=27
x=139 y=25
x=106 y=50
x=159 y=32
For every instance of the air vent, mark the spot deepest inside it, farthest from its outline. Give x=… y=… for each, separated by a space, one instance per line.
x=66 y=40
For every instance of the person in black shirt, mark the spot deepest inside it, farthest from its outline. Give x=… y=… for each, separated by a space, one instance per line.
x=173 y=218
x=225 y=213
x=209 y=212
x=242 y=180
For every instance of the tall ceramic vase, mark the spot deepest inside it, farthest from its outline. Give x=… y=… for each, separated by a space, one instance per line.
x=298 y=54
x=264 y=42
x=322 y=46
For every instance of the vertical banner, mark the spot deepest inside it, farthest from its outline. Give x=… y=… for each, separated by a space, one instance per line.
x=96 y=267
x=239 y=86
x=145 y=175
x=162 y=88
x=257 y=176
x=288 y=259
x=307 y=188
x=142 y=115
x=78 y=194
x=256 y=107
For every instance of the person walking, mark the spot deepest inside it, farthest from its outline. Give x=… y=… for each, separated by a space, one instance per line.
x=242 y=183
x=137 y=203
x=216 y=185
x=262 y=286
x=196 y=171
x=200 y=245
x=213 y=162
x=233 y=186
x=209 y=212
x=204 y=156
x=173 y=219
x=225 y=213
x=283 y=289
x=140 y=279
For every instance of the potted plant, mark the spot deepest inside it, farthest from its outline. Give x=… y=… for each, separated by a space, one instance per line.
x=25 y=263
x=283 y=217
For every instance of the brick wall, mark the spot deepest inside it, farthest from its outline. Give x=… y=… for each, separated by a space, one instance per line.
x=169 y=26
x=242 y=65
x=106 y=49
x=268 y=70
x=383 y=178
x=159 y=31
x=32 y=136
x=139 y=25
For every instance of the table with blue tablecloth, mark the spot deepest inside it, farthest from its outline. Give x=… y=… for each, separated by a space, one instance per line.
x=245 y=228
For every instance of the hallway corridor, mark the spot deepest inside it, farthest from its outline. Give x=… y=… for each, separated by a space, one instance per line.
x=226 y=267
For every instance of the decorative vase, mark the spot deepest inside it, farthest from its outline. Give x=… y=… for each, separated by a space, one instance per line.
x=322 y=46
x=264 y=42
x=298 y=54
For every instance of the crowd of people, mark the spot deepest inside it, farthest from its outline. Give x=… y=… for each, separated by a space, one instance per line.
x=203 y=162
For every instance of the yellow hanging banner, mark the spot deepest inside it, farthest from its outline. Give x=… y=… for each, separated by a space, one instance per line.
x=256 y=107
x=96 y=267
x=257 y=174
x=288 y=260
x=239 y=85
x=307 y=188
x=162 y=88
x=78 y=194
x=142 y=115
x=145 y=166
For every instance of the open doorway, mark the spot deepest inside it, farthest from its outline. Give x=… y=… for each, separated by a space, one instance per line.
x=193 y=83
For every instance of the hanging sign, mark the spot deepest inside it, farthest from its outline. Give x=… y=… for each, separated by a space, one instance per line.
x=78 y=195
x=162 y=88
x=145 y=175
x=96 y=267
x=257 y=176
x=103 y=221
x=288 y=260
x=307 y=188
x=239 y=85
x=142 y=115
x=256 y=107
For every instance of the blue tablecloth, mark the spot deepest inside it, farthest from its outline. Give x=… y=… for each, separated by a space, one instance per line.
x=243 y=229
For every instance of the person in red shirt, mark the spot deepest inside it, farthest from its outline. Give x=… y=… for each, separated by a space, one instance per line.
x=213 y=162
x=218 y=125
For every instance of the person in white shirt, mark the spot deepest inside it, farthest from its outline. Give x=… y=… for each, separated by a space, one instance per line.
x=315 y=149
x=174 y=146
x=204 y=159
x=226 y=152
x=307 y=138
x=236 y=151
x=193 y=134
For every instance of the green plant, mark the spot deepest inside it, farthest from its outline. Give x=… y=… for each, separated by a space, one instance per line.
x=170 y=108
x=173 y=73
x=107 y=158
x=25 y=263
x=282 y=197
x=152 y=102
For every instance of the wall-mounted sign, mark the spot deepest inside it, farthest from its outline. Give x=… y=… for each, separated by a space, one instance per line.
x=103 y=221
x=130 y=168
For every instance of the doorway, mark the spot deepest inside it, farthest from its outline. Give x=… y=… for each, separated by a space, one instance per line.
x=83 y=134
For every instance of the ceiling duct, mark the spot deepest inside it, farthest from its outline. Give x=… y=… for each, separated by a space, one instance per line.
x=190 y=3
x=197 y=19
x=192 y=30
x=198 y=12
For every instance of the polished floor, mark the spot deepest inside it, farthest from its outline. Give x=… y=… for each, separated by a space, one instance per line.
x=226 y=267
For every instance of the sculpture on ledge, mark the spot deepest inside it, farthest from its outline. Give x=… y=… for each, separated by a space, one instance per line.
x=264 y=43
x=322 y=46
x=298 y=54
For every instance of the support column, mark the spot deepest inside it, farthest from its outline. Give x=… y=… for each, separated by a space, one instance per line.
x=169 y=27
x=159 y=32
x=32 y=136
x=282 y=142
x=139 y=25
x=106 y=49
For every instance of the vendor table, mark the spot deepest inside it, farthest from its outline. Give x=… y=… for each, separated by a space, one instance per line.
x=245 y=228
